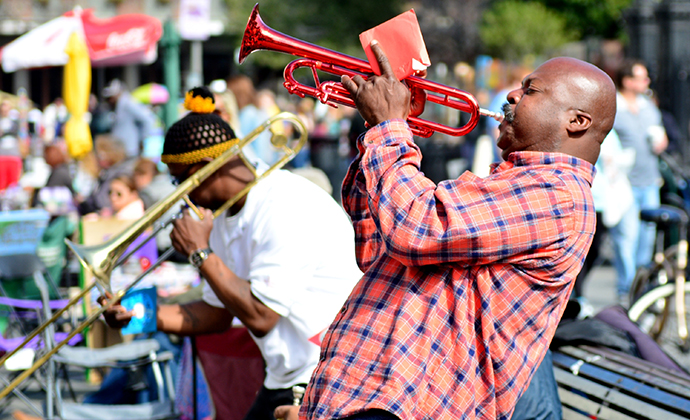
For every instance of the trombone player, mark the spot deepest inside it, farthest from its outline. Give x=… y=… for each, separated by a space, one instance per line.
x=280 y=260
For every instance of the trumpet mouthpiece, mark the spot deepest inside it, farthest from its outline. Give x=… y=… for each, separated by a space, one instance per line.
x=495 y=115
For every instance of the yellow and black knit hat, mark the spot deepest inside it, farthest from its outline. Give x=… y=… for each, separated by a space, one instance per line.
x=200 y=134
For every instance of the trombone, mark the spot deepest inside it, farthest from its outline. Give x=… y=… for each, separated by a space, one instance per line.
x=100 y=260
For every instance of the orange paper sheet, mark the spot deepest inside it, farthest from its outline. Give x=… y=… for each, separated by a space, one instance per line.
x=402 y=41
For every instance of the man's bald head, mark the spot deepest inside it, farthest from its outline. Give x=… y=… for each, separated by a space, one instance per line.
x=591 y=90
x=566 y=105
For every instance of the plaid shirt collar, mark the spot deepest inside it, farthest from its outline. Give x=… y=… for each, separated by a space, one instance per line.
x=581 y=167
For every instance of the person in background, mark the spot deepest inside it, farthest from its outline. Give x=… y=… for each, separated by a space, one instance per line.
x=54 y=117
x=133 y=121
x=226 y=104
x=151 y=184
x=266 y=102
x=56 y=157
x=676 y=138
x=85 y=172
x=9 y=130
x=154 y=186
x=101 y=116
x=616 y=216
x=124 y=198
x=112 y=162
x=640 y=128
x=250 y=115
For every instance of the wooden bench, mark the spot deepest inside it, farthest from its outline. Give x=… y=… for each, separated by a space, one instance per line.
x=600 y=383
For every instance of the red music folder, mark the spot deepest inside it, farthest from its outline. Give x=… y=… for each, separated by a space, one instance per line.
x=402 y=41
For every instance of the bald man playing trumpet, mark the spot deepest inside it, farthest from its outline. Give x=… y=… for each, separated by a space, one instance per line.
x=465 y=281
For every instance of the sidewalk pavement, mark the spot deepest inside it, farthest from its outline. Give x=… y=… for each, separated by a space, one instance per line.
x=600 y=291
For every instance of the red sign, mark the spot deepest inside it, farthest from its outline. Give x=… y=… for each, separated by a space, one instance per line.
x=121 y=38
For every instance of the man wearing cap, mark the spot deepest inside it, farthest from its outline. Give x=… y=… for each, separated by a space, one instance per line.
x=281 y=261
x=134 y=121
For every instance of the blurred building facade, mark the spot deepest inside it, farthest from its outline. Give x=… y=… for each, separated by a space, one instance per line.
x=43 y=85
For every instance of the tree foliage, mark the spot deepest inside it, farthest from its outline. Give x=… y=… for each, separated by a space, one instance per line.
x=513 y=29
x=450 y=28
x=600 y=18
x=331 y=24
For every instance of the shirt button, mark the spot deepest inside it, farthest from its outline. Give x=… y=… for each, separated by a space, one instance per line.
x=343 y=309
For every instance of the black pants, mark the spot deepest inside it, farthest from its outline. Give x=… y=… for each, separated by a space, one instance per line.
x=266 y=402
x=373 y=415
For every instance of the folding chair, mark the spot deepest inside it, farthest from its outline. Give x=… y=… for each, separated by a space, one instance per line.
x=19 y=309
x=20 y=233
x=137 y=354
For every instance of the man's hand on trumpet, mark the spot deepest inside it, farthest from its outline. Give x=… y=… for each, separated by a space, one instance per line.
x=381 y=98
x=190 y=234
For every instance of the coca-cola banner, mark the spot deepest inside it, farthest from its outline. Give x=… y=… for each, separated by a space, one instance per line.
x=119 y=39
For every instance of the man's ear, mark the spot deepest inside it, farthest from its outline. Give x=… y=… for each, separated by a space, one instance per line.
x=579 y=122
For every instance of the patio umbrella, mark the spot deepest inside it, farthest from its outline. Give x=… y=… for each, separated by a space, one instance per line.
x=75 y=91
x=121 y=40
x=151 y=93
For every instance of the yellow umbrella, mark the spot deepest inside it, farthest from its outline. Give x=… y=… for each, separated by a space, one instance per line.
x=75 y=90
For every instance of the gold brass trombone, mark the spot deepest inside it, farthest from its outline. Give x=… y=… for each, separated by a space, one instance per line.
x=100 y=260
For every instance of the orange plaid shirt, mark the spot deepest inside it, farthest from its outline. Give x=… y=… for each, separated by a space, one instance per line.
x=464 y=283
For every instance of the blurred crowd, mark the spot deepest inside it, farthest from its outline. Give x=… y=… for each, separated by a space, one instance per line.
x=123 y=175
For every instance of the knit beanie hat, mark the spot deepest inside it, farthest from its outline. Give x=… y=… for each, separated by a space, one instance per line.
x=200 y=134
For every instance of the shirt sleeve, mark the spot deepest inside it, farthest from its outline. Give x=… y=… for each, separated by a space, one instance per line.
x=466 y=221
x=367 y=238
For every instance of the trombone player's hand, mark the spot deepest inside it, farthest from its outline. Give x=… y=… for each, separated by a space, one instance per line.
x=117 y=316
x=286 y=412
x=190 y=234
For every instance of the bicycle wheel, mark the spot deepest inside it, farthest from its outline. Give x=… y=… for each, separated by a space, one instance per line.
x=652 y=309
x=659 y=272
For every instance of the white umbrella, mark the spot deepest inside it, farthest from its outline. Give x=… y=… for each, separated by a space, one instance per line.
x=123 y=39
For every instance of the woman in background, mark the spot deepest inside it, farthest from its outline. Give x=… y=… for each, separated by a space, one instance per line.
x=124 y=198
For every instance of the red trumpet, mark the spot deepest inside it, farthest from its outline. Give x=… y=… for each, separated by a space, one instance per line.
x=259 y=36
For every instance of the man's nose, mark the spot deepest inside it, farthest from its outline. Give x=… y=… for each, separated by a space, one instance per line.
x=514 y=96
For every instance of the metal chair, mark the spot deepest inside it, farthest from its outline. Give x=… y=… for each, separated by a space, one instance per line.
x=130 y=356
